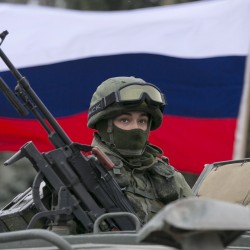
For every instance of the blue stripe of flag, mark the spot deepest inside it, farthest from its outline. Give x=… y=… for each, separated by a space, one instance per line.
x=207 y=87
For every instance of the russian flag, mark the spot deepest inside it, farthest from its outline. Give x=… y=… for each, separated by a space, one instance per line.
x=195 y=53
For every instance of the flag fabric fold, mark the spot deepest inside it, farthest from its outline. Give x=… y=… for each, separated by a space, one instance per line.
x=195 y=53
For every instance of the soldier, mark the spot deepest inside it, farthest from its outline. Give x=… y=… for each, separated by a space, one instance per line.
x=124 y=110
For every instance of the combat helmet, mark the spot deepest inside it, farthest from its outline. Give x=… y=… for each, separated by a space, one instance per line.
x=122 y=94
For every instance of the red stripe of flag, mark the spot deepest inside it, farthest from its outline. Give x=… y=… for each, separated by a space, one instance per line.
x=191 y=141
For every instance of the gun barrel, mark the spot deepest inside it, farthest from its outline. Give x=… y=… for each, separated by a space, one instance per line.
x=9 y=64
x=12 y=98
x=23 y=82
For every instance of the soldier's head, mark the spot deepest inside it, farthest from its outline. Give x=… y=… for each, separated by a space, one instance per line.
x=119 y=100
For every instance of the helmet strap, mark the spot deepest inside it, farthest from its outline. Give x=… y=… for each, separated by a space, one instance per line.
x=110 y=133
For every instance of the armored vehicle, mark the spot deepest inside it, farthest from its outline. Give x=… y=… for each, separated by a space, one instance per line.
x=217 y=218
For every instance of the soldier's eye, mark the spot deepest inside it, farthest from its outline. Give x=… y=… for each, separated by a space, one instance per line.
x=144 y=121
x=124 y=120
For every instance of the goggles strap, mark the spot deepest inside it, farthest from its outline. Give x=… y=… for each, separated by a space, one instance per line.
x=101 y=105
x=110 y=99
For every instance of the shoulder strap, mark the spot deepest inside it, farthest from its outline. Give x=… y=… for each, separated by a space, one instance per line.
x=164 y=169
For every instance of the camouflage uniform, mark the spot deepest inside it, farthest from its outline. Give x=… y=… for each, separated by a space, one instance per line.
x=144 y=175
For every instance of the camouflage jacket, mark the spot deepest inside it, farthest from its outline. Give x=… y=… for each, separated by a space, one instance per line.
x=149 y=187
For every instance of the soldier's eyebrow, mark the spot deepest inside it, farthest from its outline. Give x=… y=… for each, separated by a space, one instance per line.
x=130 y=114
x=126 y=114
x=144 y=114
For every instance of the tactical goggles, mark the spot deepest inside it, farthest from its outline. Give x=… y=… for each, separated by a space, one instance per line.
x=132 y=94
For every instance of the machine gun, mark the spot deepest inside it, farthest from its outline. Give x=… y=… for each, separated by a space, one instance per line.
x=82 y=185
